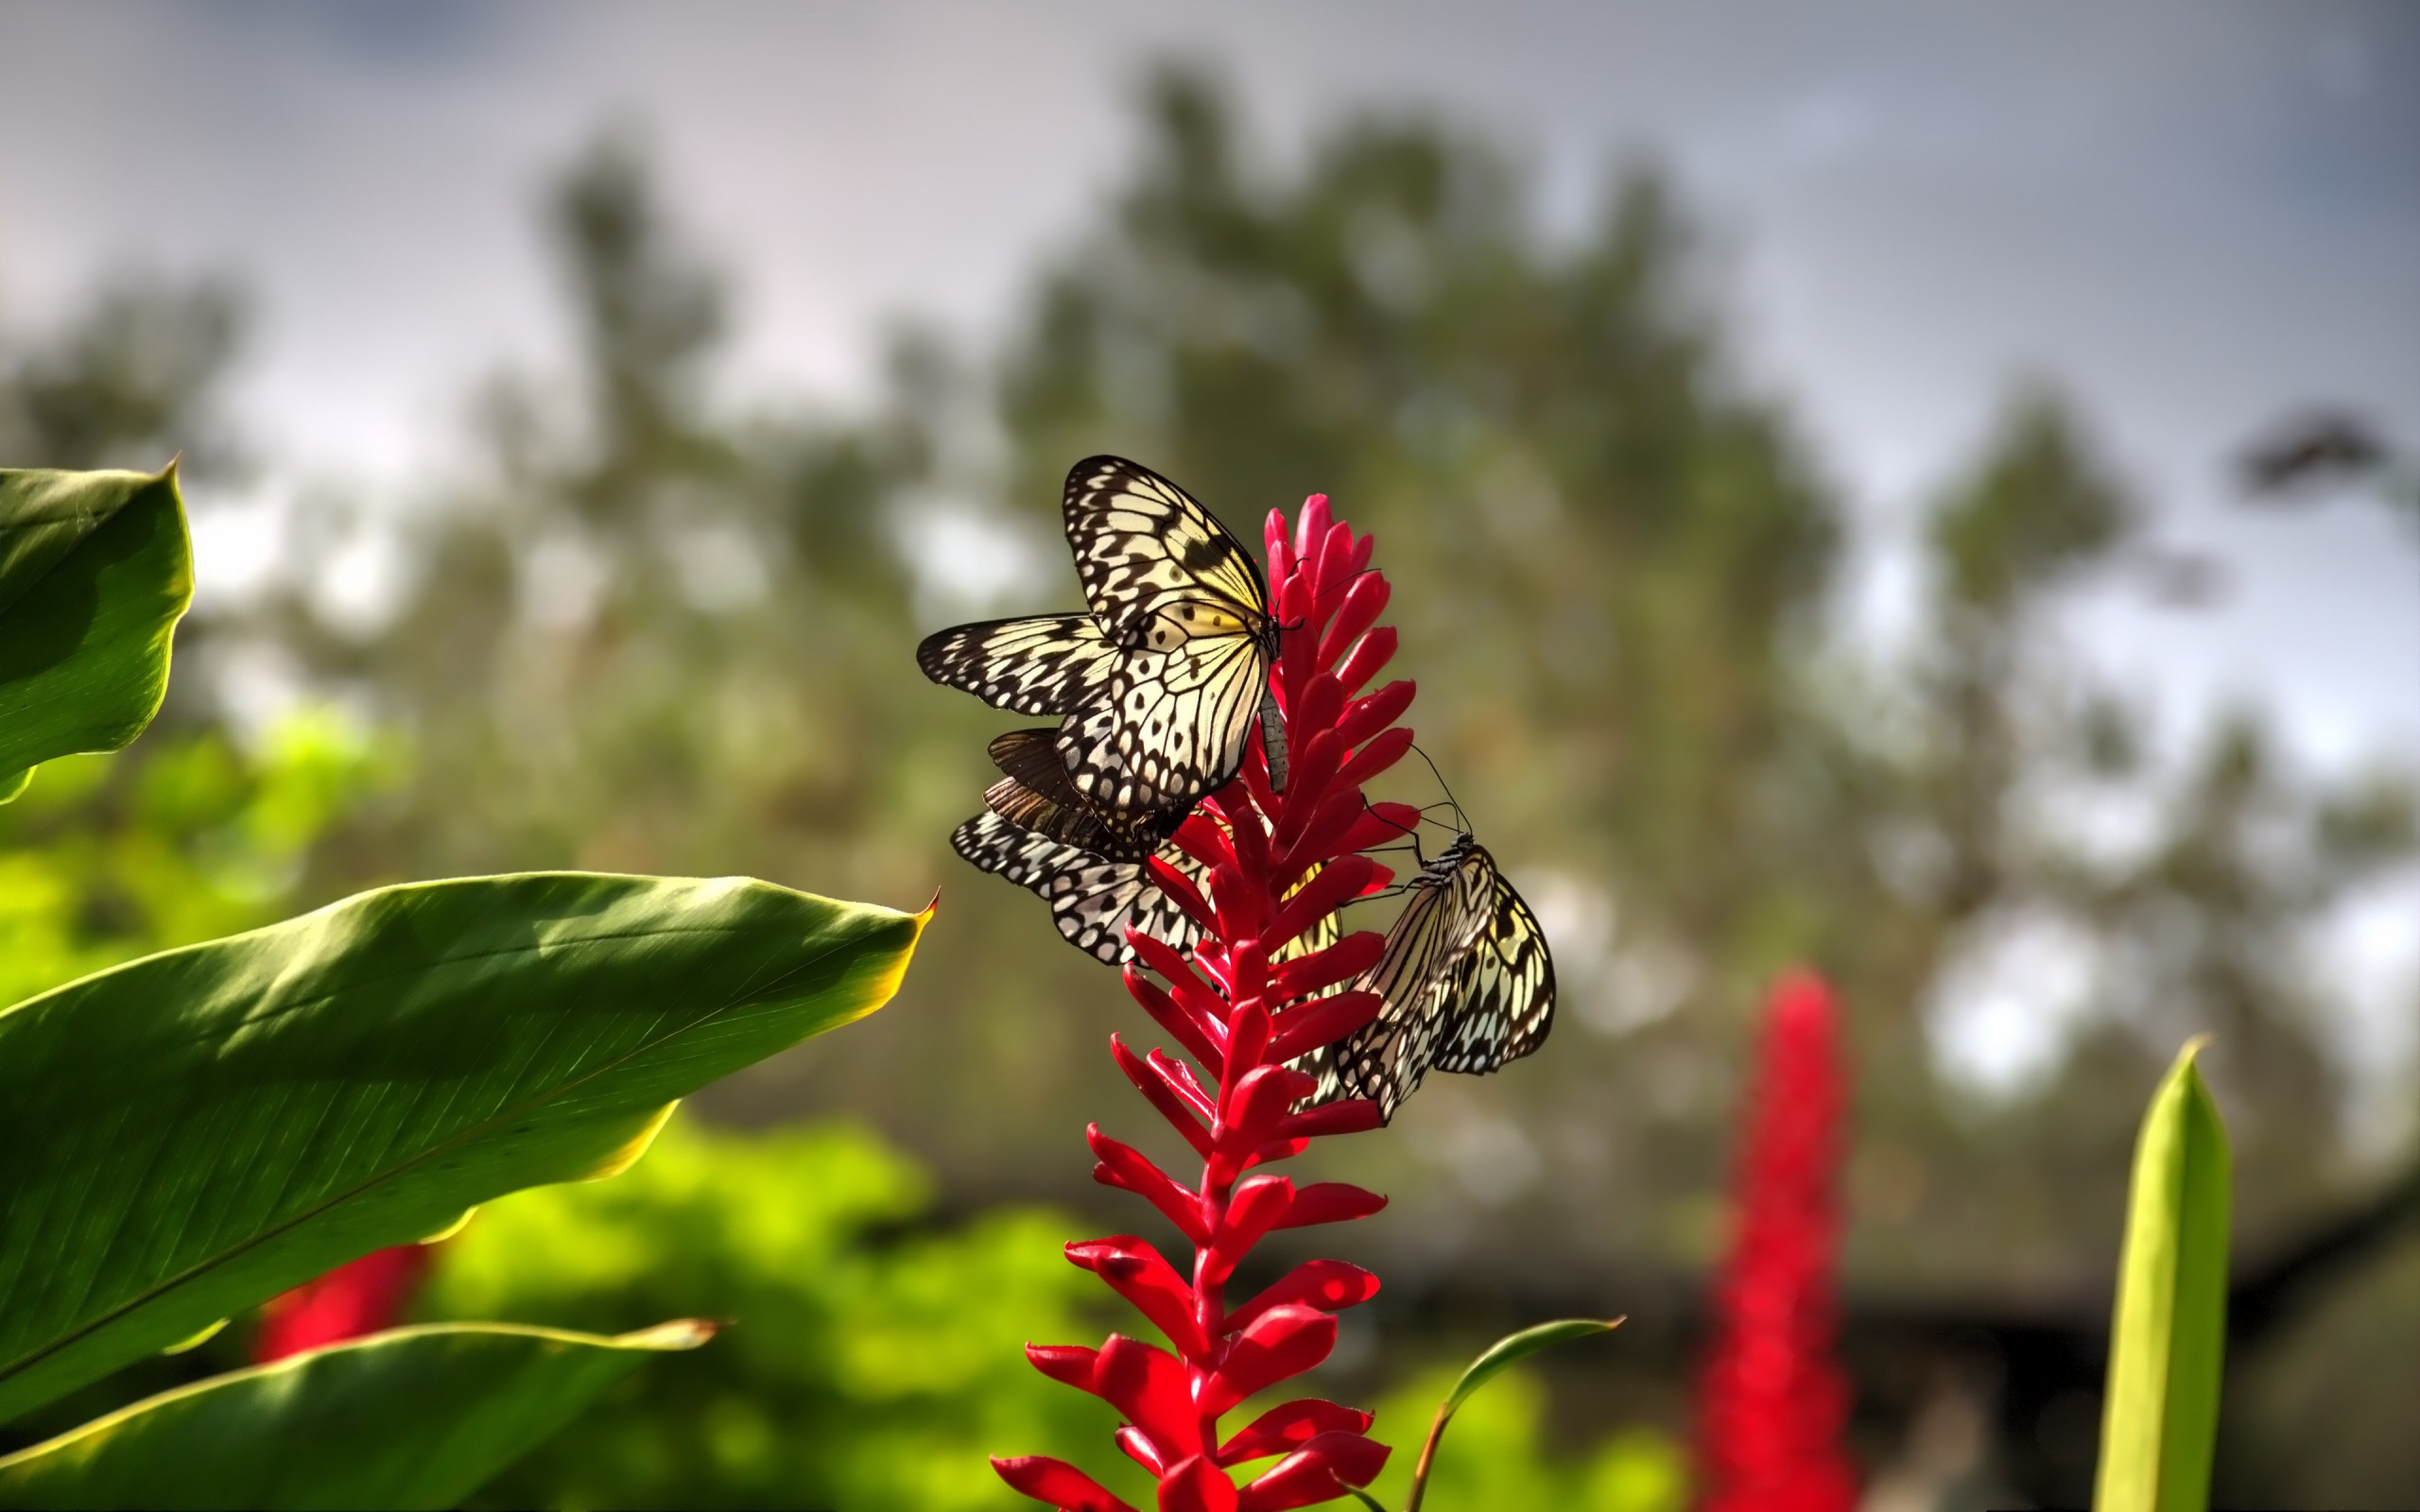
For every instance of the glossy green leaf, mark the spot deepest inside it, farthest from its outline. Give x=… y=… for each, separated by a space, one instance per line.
x=412 y=1418
x=96 y=570
x=187 y=1135
x=1497 y=1358
x=2167 y=1338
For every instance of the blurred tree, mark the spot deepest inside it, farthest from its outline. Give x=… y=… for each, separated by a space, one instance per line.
x=130 y=381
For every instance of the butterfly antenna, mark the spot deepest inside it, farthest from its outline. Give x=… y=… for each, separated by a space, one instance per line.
x=1461 y=820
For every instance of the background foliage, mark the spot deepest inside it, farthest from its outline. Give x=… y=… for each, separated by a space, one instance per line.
x=661 y=625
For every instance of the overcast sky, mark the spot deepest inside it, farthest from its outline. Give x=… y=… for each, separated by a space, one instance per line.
x=2195 y=217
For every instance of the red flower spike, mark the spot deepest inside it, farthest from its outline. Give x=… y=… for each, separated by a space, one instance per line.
x=1185 y=1028
x=1240 y=1015
x=1319 y=1471
x=1180 y=886
x=1323 y=1023
x=1140 y=1274
x=1070 y=1364
x=1281 y=1344
x=1330 y=823
x=1315 y=770
x=1339 y=883
x=1772 y=1400
x=1149 y=1385
x=1285 y=1428
x=1191 y=992
x=1341 y=962
x=1330 y=1285
x=1124 y=1166
x=1162 y=1096
x=1367 y=659
x=1180 y=1079
x=1139 y=1447
x=1363 y=603
x=359 y=1297
x=1195 y=1485
x=1385 y=748
x=1364 y=717
x=1058 y=1483
x=1382 y=824
x=1322 y=701
x=1349 y=1115
x=1262 y=1098
x=1330 y=1202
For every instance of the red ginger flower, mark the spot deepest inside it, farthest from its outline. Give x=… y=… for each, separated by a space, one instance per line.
x=1242 y=1010
x=359 y=1297
x=1771 y=1401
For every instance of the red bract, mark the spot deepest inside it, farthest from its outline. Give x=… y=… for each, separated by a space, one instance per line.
x=360 y=1297
x=1772 y=1400
x=1241 y=1007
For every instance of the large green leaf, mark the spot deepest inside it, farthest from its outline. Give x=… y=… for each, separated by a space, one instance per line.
x=186 y=1135
x=2169 y=1335
x=413 y=1418
x=95 y=571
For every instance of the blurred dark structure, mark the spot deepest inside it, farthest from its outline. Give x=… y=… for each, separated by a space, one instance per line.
x=659 y=633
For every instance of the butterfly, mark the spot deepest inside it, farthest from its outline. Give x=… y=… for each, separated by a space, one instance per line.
x=1092 y=896
x=1161 y=684
x=1466 y=984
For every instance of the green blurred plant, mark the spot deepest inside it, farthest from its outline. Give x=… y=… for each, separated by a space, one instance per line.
x=2168 y=1331
x=1499 y=1458
x=191 y=836
x=870 y=1361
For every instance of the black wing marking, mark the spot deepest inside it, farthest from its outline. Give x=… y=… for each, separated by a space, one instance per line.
x=1043 y=664
x=1092 y=897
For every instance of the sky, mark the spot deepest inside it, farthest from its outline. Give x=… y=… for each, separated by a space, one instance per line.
x=2196 y=217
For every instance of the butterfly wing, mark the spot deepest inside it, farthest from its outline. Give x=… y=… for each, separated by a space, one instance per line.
x=1145 y=547
x=1385 y=1059
x=1092 y=897
x=1500 y=986
x=1184 y=604
x=1043 y=664
x=1037 y=792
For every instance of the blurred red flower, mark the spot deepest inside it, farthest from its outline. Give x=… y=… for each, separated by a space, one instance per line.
x=358 y=1297
x=1771 y=1402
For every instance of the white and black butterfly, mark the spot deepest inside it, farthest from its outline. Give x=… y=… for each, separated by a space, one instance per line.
x=1093 y=897
x=1466 y=985
x=1158 y=687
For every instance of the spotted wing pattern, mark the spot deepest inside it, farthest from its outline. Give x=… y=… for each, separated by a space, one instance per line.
x=1092 y=897
x=1466 y=984
x=1182 y=604
x=1045 y=664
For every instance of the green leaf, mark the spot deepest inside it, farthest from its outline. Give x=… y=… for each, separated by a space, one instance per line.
x=187 y=1135
x=412 y=1418
x=96 y=570
x=2169 y=1335
x=1497 y=1358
